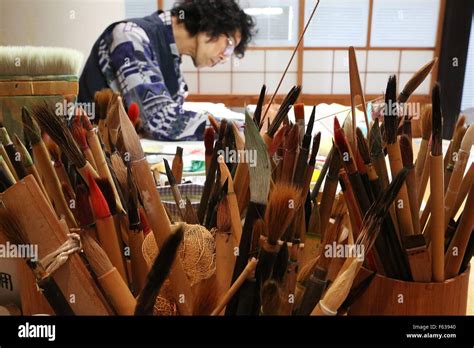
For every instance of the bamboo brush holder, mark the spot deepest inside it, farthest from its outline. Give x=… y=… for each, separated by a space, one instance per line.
x=386 y=296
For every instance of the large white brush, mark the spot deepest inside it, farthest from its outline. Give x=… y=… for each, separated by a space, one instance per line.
x=39 y=61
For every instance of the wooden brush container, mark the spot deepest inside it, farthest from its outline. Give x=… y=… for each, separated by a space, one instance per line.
x=386 y=296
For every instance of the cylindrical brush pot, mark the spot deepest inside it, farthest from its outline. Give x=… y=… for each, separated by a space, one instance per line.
x=386 y=296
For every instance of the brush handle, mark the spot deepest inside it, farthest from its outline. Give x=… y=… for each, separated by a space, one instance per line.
x=139 y=266
x=266 y=260
x=420 y=161
x=437 y=219
x=454 y=185
x=118 y=292
x=359 y=192
x=315 y=286
x=248 y=298
x=4 y=154
x=255 y=211
x=300 y=169
x=108 y=239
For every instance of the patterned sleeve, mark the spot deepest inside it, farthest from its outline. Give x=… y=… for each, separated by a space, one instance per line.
x=139 y=79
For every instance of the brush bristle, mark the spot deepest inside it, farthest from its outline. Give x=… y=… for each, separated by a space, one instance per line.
x=223 y=216
x=108 y=192
x=134 y=113
x=206 y=297
x=426 y=123
x=55 y=126
x=277 y=140
x=131 y=140
x=281 y=209
x=292 y=140
x=79 y=135
x=257 y=116
x=315 y=149
x=159 y=272
x=132 y=203
x=437 y=121
x=362 y=146
x=102 y=99
x=375 y=141
x=25 y=155
x=30 y=127
x=299 y=111
x=190 y=213
x=341 y=140
x=406 y=150
x=271 y=298
x=98 y=201
x=209 y=136
x=96 y=256
x=83 y=207
x=391 y=114
x=145 y=225
x=282 y=113
x=169 y=173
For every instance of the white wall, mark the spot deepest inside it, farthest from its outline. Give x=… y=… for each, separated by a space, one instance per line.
x=61 y=23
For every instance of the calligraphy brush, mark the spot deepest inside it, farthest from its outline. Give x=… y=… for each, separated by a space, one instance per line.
x=177 y=165
x=362 y=167
x=6 y=170
x=469 y=254
x=301 y=162
x=191 y=215
x=135 y=237
x=316 y=283
x=272 y=300
x=5 y=180
x=464 y=188
x=45 y=168
x=110 y=280
x=211 y=175
x=57 y=158
x=436 y=186
x=290 y=153
x=12 y=153
x=257 y=115
x=356 y=292
x=351 y=169
x=29 y=165
x=106 y=229
x=45 y=282
x=259 y=188
x=281 y=210
x=175 y=190
x=422 y=153
x=416 y=80
x=7 y=161
x=452 y=152
x=79 y=134
x=395 y=156
x=56 y=128
x=377 y=154
x=159 y=272
x=322 y=175
x=154 y=209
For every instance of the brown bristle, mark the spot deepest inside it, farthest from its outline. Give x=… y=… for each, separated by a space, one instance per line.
x=209 y=136
x=102 y=99
x=299 y=111
x=437 y=123
x=53 y=148
x=257 y=116
x=86 y=123
x=223 y=216
x=67 y=192
x=315 y=149
x=292 y=141
x=271 y=298
x=145 y=225
x=277 y=140
x=113 y=120
x=407 y=151
x=362 y=146
x=281 y=209
x=98 y=201
x=120 y=170
x=131 y=140
x=360 y=163
x=282 y=113
x=83 y=211
x=259 y=230
x=391 y=111
x=79 y=134
x=342 y=143
x=426 y=123
x=108 y=192
x=95 y=255
x=190 y=213
x=30 y=127
x=57 y=129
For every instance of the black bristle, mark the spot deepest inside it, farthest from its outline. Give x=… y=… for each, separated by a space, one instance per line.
x=437 y=119
x=391 y=111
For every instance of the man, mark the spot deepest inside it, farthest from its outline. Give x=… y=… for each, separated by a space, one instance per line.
x=140 y=58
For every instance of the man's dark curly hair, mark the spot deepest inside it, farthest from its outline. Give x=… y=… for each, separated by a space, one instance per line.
x=216 y=17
